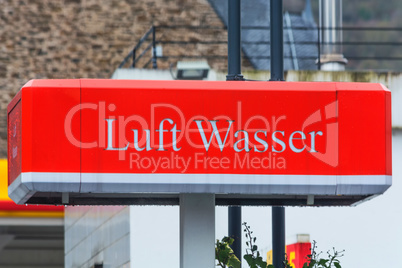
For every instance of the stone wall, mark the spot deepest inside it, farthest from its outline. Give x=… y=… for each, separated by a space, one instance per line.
x=89 y=38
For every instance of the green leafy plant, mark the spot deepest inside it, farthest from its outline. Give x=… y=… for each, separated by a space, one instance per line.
x=226 y=258
x=314 y=260
x=225 y=255
x=252 y=255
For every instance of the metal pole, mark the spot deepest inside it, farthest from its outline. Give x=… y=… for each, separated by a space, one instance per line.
x=134 y=55
x=234 y=41
x=278 y=213
x=278 y=236
x=234 y=74
x=319 y=48
x=276 y=40
x=154 y=66
x=235 y=230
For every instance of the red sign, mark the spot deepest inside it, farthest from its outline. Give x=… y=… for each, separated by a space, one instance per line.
x=297 y=254
x=170 y=137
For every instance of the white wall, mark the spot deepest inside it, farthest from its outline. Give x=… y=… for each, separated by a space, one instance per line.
x=96 y=235
x=151 y=74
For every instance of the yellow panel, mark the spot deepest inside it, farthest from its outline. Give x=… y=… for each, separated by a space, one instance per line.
x=269 y=257
x=3 y=180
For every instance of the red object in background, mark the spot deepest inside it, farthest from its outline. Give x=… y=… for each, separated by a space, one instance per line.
x=297 y=254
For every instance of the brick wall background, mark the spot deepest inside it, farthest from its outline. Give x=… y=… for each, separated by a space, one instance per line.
x=89 y=38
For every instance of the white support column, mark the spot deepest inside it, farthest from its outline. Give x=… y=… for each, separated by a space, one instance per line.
x=197 y=230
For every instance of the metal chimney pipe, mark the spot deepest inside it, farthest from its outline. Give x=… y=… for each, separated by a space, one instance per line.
x=330 y=18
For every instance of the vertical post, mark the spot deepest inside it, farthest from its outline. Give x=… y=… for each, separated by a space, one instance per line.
x=234 y=41
x=319 y=47
x=235 y=230
x=278 y=213
x=276 y=27
x=154 y=66
x=234 y=74
x=278 y=236
x=134 y=55
x=197 y=230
